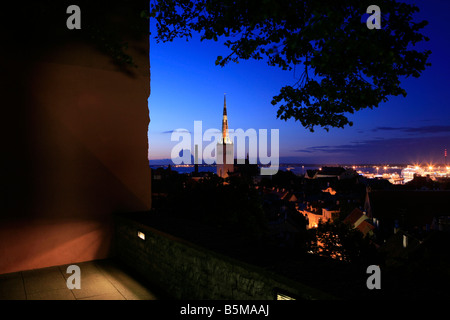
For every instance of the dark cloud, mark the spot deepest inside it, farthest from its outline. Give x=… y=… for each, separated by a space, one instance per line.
x=418 y=130
x=176 y=130
x=389 y=149
x=388 y=129
x=430 y=129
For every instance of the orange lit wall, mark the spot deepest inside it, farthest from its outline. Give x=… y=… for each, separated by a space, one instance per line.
x=74 y=132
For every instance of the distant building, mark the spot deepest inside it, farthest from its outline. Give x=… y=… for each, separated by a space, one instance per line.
x=162 y=180
x=314 y=214
x=409 y=172
x=246 y=169
x=407 y=209
x=359 y=220
x=198 y=175
x=330 y=190
x=225 y=148
x=326 y=172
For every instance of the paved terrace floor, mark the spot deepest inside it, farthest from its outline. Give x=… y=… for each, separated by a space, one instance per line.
x=100 y=280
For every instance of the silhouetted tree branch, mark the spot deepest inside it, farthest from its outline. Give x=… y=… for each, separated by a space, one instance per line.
x=347 y=67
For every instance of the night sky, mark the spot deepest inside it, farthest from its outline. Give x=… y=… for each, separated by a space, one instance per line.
x=187 y=86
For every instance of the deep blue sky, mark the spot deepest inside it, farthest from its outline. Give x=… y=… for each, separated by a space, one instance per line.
x=186 y=86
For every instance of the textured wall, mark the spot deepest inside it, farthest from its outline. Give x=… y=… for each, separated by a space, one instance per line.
x=74 y=131
x=187 y=271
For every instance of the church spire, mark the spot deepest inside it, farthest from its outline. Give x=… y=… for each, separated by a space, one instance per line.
x=225 y=135
x=225 y=148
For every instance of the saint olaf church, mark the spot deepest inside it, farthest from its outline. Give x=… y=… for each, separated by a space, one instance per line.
x=225 y=148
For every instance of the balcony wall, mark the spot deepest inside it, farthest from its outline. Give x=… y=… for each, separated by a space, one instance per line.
x=188 y=271
x=74 y=132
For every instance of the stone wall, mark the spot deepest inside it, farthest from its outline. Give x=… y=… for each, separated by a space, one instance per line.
x=187 y=271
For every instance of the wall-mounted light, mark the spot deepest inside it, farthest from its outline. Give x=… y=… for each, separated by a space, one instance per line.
x=281 y=296
x=141 y=235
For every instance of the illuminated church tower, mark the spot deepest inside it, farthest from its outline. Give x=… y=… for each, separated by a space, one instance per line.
x=225 y=147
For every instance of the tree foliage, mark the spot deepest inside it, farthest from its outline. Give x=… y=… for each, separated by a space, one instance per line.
x=339 y=240
x=106 y=25
x=343 y=66
x=235 y=205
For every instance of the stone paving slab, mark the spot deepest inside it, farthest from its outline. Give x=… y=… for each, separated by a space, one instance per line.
x=11 y=287
x=100 y=280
